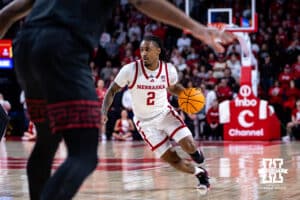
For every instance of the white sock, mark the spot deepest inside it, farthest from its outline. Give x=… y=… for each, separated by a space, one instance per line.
x=198 y=170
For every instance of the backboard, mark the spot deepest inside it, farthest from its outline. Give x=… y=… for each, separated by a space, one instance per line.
x=239 y=14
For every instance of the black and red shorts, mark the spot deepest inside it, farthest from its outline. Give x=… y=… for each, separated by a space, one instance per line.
x=52 y=67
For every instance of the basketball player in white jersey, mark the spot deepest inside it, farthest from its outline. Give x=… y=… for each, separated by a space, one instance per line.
x=148 y=81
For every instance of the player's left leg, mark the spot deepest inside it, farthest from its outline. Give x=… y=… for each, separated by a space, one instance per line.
x=41 y=158
x=82 y=145
x=170 y=156
x=188 y=145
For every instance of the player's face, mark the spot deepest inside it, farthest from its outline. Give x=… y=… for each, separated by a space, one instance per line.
x=149 y=53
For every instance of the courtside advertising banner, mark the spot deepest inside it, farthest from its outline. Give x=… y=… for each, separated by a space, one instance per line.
x=248 y=118
x=6 y=54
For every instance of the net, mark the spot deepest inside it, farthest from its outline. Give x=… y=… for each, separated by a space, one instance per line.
x=218 y=25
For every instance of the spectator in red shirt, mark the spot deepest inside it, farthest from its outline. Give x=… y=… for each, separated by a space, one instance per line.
x=291 y=94
x=123 y=127
x=276 y=99
x=296 y=71
x=214 y=128
x=219 y=66
x=224 y=92
x=275 y=94
x=30 y=134
x=128 y=57
x=293 y=127
x=289 y=21
x=285 y=77
x=282 y=37
x=160 y=31
x=100 y=90
x=211 y=60
x=210 y=79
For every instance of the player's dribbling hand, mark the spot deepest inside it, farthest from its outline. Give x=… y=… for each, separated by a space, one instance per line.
x=214 y=38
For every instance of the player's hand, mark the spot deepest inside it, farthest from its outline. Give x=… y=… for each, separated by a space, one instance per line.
x=214 y=38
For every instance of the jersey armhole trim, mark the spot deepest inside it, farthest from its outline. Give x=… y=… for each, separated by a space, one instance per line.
x=160 y=69
x=167 y=74
x=135 y=76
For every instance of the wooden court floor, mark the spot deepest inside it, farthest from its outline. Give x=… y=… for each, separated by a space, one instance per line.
x=128 y=170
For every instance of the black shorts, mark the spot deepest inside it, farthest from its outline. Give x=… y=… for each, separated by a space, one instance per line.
x=52 y=67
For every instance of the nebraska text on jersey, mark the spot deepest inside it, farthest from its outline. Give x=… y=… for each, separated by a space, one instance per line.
x=151 y=87
x=148 y=88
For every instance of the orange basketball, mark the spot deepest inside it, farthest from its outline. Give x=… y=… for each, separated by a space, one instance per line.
x=191 y=100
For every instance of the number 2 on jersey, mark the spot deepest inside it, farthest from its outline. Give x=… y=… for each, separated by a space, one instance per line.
x=150 y=98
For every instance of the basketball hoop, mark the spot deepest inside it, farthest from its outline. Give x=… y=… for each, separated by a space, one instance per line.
x=218 y=25
x=242 y=37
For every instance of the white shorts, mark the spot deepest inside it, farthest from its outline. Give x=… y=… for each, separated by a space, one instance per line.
x=158 y=131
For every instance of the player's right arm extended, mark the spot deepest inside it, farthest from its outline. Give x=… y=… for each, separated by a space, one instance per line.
x=162 y=10
x=108 y=99
x=12 y=12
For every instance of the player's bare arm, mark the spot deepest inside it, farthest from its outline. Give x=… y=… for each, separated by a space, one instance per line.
x=164 y=11
x=12 y=12
x=176 y=89
x=108 y=99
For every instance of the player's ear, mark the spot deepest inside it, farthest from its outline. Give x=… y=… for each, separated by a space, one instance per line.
x=158 y=50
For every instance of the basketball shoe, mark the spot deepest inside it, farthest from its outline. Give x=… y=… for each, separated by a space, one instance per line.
x=203 y=179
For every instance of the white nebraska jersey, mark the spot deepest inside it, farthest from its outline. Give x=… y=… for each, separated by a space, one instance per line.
x=148 y=88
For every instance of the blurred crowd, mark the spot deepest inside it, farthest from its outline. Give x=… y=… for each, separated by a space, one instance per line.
x=275 y=46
